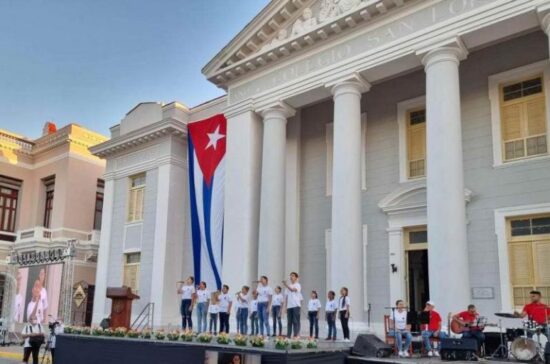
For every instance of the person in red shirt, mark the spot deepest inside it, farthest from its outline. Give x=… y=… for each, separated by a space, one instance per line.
x=469 y=319
x=432 y=328
x=537 y=311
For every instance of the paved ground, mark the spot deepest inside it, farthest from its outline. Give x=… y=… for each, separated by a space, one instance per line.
x=14 y=353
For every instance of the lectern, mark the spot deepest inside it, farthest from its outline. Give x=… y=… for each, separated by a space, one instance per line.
x=121 y=308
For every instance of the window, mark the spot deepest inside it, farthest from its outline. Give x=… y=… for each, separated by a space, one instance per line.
x=136 y=197
x=416 y=143
x=98 y=208
x=131 y=271
x=519 y=114
x=49 y=183
x=9 y=194
x=529 y=254
x=523 y=117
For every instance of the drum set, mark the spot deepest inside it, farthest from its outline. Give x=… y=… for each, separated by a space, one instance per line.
x=525 y=343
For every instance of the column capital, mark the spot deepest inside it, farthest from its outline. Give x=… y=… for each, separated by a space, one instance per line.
x=354 y=83
x=452 y=50
x=277 y=110
x=239 y=108
x=543 y=13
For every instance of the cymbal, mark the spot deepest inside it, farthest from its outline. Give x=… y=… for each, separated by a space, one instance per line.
x=506 y=315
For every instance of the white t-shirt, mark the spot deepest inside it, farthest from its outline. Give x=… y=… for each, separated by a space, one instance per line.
x=254 y=306
x=225 y=300
x=277 y=299
x=203 y=295
x=263 y=293
x=400 y=319
x=39 y=310
x=187 y=292
x=314 y=305
x=213 y=308
x=294 y=299
x=343 y=303
x=331 y=306
x=44 y=298
x=243 y=301
x=58 y=330
x=31 y=329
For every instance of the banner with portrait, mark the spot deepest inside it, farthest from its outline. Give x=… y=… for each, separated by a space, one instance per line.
x=37 y=292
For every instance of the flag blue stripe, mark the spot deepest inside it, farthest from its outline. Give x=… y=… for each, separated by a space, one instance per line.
x=207 y=201
x=195 y=226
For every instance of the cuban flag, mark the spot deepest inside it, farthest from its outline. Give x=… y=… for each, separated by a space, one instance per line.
x=206 y=139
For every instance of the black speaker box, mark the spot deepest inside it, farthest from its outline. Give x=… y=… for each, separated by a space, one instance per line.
x=547 y=353
x=371 y=345
x=458 y=349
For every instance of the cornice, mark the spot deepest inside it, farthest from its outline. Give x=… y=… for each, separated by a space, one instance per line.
x=141 y=136
x=240 y=58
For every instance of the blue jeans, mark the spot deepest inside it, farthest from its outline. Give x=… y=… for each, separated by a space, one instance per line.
x=238 y=319
x=478 y=335
x=331 y=322
x=186 y=310
x=214 y=323
x=426 y=335
x=201 y=317
x=293 y=321
x=243 y=320
x=276 y=314
x=263 y=315
x=313 y=317
x=399 y=339
x=254 y=323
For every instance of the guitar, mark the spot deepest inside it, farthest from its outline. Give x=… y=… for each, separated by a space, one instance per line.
x=480 y=324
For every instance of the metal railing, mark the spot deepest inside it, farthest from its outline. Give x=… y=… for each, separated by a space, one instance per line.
x=145 y=318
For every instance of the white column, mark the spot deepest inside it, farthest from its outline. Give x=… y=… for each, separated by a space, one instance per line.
x=292 y=193
x=101 y=310
x=346 y=251
x=447 y=240
x=242 y=192
x=398 y=290
x=271 y=242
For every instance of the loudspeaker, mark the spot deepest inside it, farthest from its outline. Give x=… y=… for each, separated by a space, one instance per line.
x=371 y=345
x=458 y=349
x=547 y=353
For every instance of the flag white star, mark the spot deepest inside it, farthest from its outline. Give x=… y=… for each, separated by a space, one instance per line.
x=214 y=137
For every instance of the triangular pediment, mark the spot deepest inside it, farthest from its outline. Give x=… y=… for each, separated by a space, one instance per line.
x=287 y=27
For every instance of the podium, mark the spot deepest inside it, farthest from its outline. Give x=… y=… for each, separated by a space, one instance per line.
x=121 y=308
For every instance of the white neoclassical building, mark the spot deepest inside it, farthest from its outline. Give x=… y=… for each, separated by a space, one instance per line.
x=396 y=147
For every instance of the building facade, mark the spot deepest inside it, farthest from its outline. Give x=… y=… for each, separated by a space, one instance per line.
x=51 y=193
x=145 y=240
x=399 y=148
x=395 y=147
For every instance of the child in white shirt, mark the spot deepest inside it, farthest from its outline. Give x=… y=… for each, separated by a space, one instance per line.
x=331 y=308
x=214 y=310
x=276 y=310
x=313 y=308
x=254 y=314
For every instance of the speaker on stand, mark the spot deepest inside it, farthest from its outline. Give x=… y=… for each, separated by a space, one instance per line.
x=370 y=345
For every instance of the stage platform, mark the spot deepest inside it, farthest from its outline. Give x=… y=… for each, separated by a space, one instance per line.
x=417 y=360
x=79 y=349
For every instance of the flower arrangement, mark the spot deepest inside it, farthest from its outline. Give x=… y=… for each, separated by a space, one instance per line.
x=173 y=335
x=311 y=343
x=132 y=334
x=257 y=341
x=223 y=338
x=204 y=337
x=68 y=330
x=97 y=331
x=240 y=340
x=120 y=332
x=77 y=330
x=296 y=343
x=281 y=343
x=146 y=333
x=108 y=332
x=187 y=336
x=160 y=335
x=85 y=331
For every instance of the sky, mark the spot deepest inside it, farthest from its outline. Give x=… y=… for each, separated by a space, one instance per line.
x=91 y=61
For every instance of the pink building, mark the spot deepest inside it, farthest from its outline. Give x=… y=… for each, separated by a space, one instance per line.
x=51 y=193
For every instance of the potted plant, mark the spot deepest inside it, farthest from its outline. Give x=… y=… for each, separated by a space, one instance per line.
x=204 y=337
x=108 y=332
x=223 y=338
x=187 y=336
x=160 y=335
x=85 y=331
x=281 y=343
x=97 y=331
x=311 y=343
x=257 y=341
x=173 y=335
x=240 y=340
x=296 y=343
x=146 y=334
x=132 y=334
x=120 y=332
